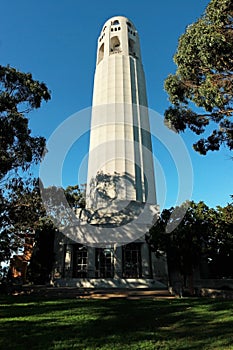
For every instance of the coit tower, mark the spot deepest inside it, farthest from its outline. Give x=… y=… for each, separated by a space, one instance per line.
x=120 y=196
x=120 y=141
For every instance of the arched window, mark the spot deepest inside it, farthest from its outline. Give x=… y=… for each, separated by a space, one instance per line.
x=115 y=22
x=131 y=47
x=115 y=44
x=101 y=53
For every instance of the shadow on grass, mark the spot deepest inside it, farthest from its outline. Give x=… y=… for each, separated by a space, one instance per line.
x=116 y=324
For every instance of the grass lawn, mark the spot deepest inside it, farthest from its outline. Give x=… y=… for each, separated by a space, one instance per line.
x=31 y=323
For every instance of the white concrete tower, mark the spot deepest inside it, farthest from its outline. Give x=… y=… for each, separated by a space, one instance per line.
x=107 y=247
x=120 y=139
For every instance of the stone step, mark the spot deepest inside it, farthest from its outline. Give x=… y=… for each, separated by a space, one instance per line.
x=90 y=293
x=110 y=283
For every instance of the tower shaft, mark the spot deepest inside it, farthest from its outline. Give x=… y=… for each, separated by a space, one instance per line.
x=120 y=140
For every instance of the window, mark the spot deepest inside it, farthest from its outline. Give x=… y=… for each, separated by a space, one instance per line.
x=68 y=259
x=129 y=24
x=101 y=53
x=132 y=261
x=131 y=47
x=115 y=44
x=119 y=28
x=115 y=22
x=80 y=261
x=104 y=263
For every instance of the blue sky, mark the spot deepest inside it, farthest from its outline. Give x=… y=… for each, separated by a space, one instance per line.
x=56 y=41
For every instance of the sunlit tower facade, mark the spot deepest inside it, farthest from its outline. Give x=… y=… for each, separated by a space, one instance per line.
x=120 y=140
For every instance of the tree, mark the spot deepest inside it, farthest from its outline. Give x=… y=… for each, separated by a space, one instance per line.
x=19 y=94
x=204 y=78
x=221 y=254
x=203 y=239
x=62 y=204
x=75 y=196
x=42 y=259
x=25 y=223
x=187 y=243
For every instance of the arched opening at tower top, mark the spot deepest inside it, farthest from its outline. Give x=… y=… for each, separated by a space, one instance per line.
x=132 y=47
x=101 y=53
x=115 y=44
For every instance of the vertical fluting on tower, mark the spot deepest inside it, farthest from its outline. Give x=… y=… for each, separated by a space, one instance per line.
x=120 y=165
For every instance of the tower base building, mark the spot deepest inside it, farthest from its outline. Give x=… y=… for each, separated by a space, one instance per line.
x=128 y=266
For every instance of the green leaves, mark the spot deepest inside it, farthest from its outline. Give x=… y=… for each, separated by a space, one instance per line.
x=203 y=233
x=204 y=77
x=75 y=196
x=19 y=88
x=19 y=94
x=20 y=203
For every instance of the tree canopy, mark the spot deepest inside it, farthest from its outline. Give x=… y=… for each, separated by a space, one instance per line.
x=24 y=215
x=201 y=89
x=19 y=94
x=19 y=208
x=184 y=245
x=203 y=235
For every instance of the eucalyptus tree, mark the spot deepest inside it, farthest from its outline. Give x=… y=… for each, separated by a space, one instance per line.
x=201 y=89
